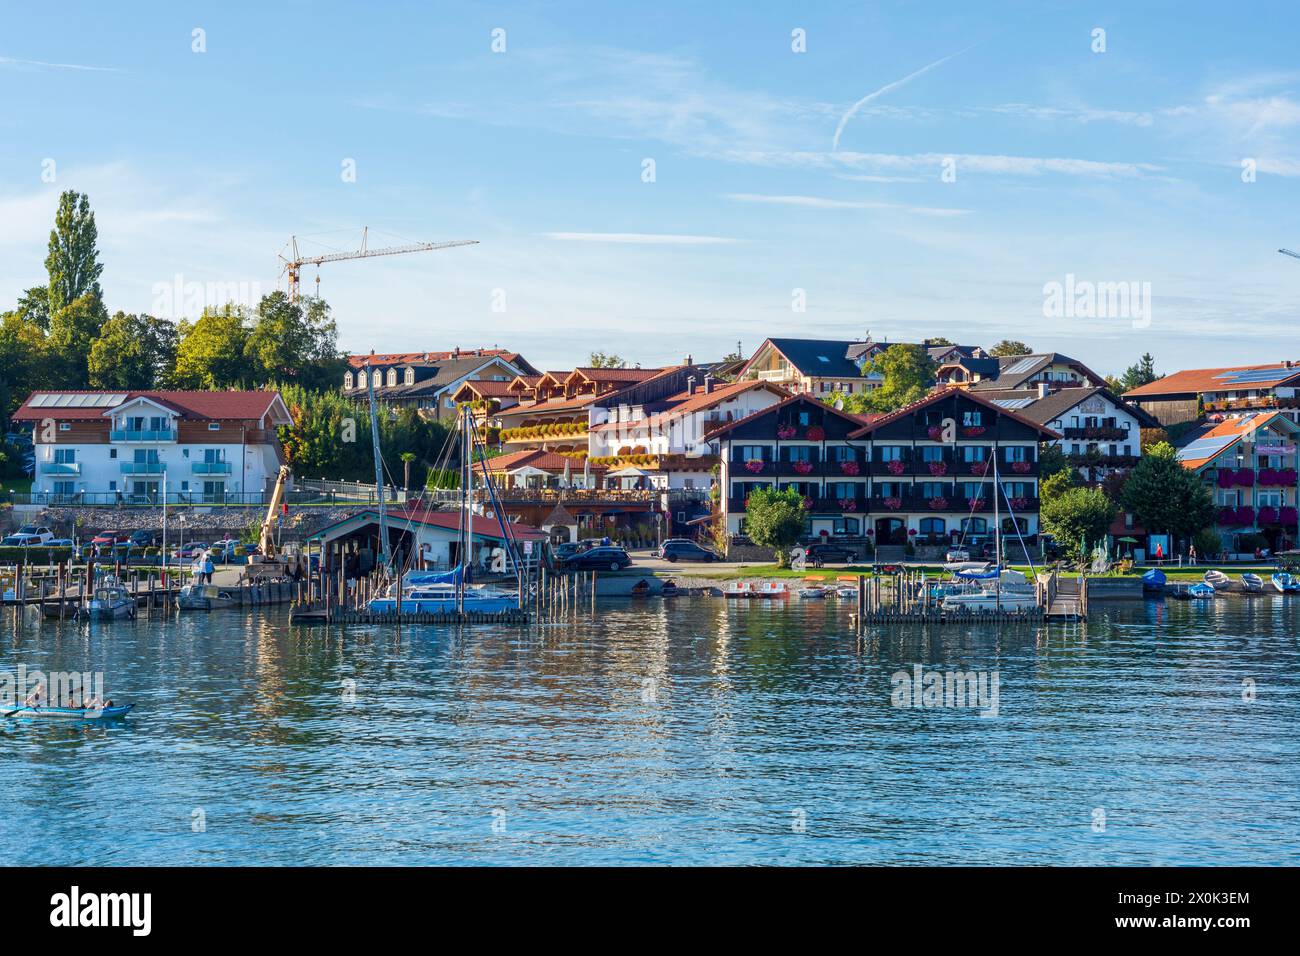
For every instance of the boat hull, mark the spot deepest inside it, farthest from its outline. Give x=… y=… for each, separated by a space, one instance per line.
x=441 y=606
x=69 y=713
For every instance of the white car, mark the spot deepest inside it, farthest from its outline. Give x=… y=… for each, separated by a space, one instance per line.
x=957 y=554
x=30 y=534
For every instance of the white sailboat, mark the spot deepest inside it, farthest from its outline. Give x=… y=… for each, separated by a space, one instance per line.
x=995 y=588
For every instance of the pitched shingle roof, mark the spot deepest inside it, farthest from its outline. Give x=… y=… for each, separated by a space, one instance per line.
x=195 y=406
x=1196 y=380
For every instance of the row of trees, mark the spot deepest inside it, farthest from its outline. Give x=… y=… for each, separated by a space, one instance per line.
x=60 y=334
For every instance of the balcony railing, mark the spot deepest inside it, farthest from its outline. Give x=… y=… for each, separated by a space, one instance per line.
x=134 y=434
x=211 y=467
x=60 y=468
x=144 y=467
x=1096 y=432
x=1103 y=461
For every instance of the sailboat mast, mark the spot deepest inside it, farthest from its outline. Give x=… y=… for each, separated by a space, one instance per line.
x=997 y=527
x=464 y=525
x=379 y=467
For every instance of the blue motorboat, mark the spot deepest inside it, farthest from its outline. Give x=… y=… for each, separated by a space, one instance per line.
x=1200 y=591
x=1285 y=583
x=1153 y=580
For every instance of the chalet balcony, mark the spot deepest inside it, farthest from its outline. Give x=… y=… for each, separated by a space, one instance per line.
x=1097 y=433
x=60 y=468
x=144 y=467
x=852 y=505
x=211 y=467
x=886 y=505
x=141 y=435
x=887 y=469
x=1103 y=461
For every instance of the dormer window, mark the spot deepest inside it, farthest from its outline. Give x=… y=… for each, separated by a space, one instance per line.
x=377 y=378
x=392 y=376
x=410 y=376
x=347 y=380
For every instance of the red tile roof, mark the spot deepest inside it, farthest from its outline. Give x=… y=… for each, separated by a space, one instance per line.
x=449 y=520
x=801 y=397
x=943 y=393
x=401 y=358
x=191 y=406
x=685 y=404
x=1195 y=380
x=616 y=374
x=550 y=461
x=1234 y=429
x=488 y=388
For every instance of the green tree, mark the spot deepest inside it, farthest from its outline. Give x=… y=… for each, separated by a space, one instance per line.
x=907 y=373
x=34 y=306
x=24 y=361
x=133 y=352
x=73 y=330
x=407 y=458
x=938 y=340
x=1057 y=484
x=603 y=360
x=290 y=341
x=1163 y=496
x=1051 y=460
x=1077 y=515
x=1010 y=347
x=1143 y=372
x=210 y=352
x=73 y=259
x=775 y=519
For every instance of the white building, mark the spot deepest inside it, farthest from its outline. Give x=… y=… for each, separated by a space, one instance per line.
x=101 y=447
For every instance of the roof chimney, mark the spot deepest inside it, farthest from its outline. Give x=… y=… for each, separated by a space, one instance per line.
x=1043 y=389
x=689 y=359
x=708 y=384
x=690 y=384
x=455 y=353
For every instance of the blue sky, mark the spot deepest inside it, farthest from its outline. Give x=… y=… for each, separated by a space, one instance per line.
x=1123 y=165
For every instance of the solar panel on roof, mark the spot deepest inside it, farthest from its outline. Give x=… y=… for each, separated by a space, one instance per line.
x=1206 y=447
x=1013 y=402
x=1254 y=375
x=1024 y=365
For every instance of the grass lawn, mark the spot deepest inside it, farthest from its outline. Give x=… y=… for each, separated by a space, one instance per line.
x=22 y=486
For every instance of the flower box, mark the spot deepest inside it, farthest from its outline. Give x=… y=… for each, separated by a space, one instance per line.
x=803 y=467
x=1267 y=515
x=815 y=433
x=850 y=467
x=847 y=504
x=979 y=467
x=893 y=503
x=938 y=468
x=973 y=431
x=895 y=467
x=938 y=504
x=754 y=466
x=785 y=431
x=1019 y=504
x=935 y=432
x=1022 y=467
x=976 y=504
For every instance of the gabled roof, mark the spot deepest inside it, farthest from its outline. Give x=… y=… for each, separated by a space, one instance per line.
x=684 y=403
x=793 y=399
x=1197 y=380
x=446 y=520
x=487 y=388
x=386 y=359
x=438 y=376
x=1025 y=401
x=541 y=460
x=616 y=375
x=821 y=358
x=1203 y=445
x=1013 y=370
x=91 y=405
x=941 y=394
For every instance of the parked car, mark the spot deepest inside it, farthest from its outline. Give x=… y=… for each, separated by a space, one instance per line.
x=681 y=549
x=61 y=543
x=957 y=554
x=190 y=550
x=33 y=534
x=818 y=554
x=600 y=559
x=13 y=541
x=143 y=539
x=109 y=539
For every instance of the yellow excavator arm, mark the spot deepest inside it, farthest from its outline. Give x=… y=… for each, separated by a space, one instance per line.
x=267 y=540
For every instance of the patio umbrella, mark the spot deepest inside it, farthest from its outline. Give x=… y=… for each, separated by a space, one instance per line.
x=1127 y=540
x=566 y=480
x=586 y=472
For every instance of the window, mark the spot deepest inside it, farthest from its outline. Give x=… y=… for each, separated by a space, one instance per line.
x=889 y=453
x=410 y=376
x=214 y=426
x=65 y=427
x=933 y=526
x=392 y=376
x=752 y=453
x=112 y=486
x=65 y=456
x=1018 y=453
x=931 y=453
x=932 y=489
x=970 y=418
x=799 y=453
x=844 y=525
x=112 y=453
x=347 y=380
x=65 y=488
x=973 y=453
x=974 y=526
x=805 y=419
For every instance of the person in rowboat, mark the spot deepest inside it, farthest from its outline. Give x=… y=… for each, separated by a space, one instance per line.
x=34 y=698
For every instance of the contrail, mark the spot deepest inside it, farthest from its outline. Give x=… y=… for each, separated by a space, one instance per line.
x=14 y=61
x=885 y=89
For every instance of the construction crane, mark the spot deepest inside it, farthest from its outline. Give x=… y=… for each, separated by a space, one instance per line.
x=294 y=262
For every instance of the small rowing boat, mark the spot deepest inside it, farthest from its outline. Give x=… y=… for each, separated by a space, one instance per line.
x=1253 y=583
x=1217 y=580
x=68 y=713
x=1200 y=591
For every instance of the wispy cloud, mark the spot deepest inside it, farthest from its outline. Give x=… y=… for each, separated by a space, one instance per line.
x=643 y=238
x=852 y=110
x=20 y=64
x=966 y=162
x=821 y=202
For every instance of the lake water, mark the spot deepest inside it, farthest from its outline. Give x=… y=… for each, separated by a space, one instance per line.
x=694 y=730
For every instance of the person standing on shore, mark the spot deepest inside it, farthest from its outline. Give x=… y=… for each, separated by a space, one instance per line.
x=208 y=568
